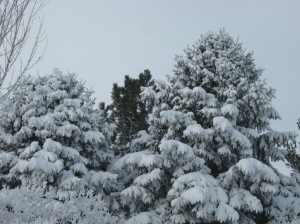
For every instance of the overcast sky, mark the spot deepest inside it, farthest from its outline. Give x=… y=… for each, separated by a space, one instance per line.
x=101 y=41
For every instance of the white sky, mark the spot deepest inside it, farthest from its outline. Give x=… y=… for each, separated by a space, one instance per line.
x=101 y=41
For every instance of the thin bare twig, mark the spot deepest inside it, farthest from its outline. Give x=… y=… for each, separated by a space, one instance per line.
x=17 y=18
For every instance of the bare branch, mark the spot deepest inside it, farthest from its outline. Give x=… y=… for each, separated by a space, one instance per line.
x=17 y=18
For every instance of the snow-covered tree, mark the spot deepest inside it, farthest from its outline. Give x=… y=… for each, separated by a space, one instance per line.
x=206 y=156
x=50 y=135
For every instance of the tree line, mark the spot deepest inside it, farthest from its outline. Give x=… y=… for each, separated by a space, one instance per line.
x=196 y=148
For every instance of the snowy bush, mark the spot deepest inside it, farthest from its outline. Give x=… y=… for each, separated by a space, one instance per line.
x=144 y=218
x=22 y=205
x=50 y=135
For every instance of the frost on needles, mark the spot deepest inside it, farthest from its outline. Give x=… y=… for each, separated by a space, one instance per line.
x=206 y=154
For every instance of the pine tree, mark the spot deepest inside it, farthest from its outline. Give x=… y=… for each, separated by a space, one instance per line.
x=50 y=135
x=127 y=111
x=206 y=156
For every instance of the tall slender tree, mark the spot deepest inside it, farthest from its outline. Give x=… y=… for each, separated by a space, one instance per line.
x=127 y=110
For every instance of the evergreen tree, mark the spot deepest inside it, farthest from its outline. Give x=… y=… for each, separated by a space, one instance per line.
x=127 y=111
x=206 y=156
x=50 y=135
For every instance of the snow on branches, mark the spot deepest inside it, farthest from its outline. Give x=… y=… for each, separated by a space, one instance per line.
x=51 y=136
